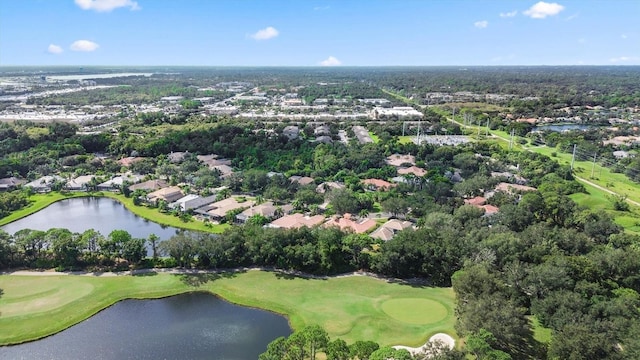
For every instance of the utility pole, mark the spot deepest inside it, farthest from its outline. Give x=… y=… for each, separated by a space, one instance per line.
x=594 y=164
x=487 y=135
x=419 y=126
x=573 y=157
x=403 y=124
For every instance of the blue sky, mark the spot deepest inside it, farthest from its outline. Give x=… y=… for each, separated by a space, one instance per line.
x=319 y=32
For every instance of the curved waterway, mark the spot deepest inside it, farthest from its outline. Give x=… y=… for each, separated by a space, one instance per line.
x=188 y=326
x=101 y=214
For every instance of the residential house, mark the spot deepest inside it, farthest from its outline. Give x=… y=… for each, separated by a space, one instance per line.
x=224 y=170
x=11 y=183
x=516 y=179
x=301 y=180
x=128 y=161
x=268 y=210
x=80 y=183
x=198 y=202
x=377 y=184
x=621 y=154
x=490 y=209
x=325 y=139
x=322 y=130
x=181 y=201
x=347 y=222
x=116 y=182
x=398 y=160
x=150 y=185
x=291 y=132
x=513 y=188
x=212 y=161
x=389 y=229
x=168 y=194
x=219 y=209
x=328 y=186
x=295 y=221
x=44 y=183
x=413 y=170
x=177 y=157
x=476 y=201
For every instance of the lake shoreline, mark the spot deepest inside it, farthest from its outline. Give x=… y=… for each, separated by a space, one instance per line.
x=237 y=287
x=143 y=212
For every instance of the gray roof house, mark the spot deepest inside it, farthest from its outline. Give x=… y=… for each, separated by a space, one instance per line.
x=44 y=183
x=11 y=183
x=79 y=183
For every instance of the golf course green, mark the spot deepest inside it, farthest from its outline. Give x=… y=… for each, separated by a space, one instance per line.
x=352 y=307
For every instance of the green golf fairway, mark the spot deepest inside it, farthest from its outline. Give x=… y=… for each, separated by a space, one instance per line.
x=415 y=311
x=352 y=308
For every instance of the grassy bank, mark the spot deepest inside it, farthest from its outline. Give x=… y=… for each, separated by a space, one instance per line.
x=154 y=215
x=40 y=201
x=352 y=308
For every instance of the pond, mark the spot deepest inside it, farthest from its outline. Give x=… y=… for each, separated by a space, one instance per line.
x=188 y=326
x=80 y=214
x=563 y=127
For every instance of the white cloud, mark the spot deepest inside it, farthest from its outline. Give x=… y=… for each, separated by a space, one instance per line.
x=106 y=5
x=266 y=33
x=509 y=14
x=623 y=59
x=542 y=9
x=84 y=45
x=330 y=61
x=481 y=24
x=54 y=49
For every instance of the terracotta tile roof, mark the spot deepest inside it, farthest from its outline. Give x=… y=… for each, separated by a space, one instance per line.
x=478 y=201
x=398 y=160
x=346 y=223
x=490 y=209
x=297 y=221
x=129 y=160
x=413 y=170
x=510 y=188
x=378 y=184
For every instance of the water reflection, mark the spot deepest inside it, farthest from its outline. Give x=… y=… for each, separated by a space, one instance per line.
x=101 y=214
x=188 y=326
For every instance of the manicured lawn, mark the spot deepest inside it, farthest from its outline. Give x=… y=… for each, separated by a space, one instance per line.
x=34 y=306
x=374 y=137
x=37 y=203
x=352 y=308
x=160 y=218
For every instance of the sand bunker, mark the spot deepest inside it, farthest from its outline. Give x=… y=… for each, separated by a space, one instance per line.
x=445 y=339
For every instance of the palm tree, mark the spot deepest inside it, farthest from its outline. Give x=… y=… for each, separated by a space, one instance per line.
x=223 y=194
x=153 y=241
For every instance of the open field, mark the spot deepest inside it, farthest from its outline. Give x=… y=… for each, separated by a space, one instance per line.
x=40 y=201
x=352 y=308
